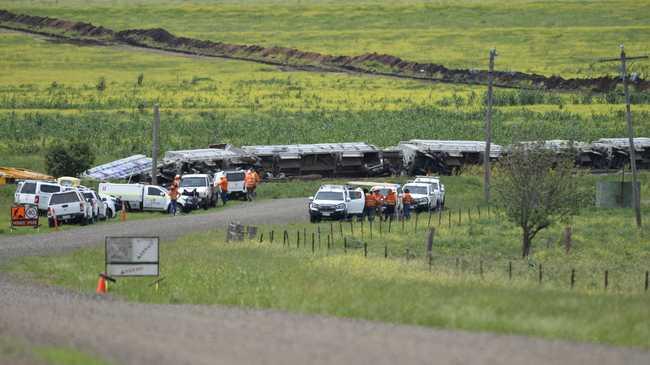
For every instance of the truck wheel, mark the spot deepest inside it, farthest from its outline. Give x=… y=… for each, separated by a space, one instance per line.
x=84 y=221
x=313 y=219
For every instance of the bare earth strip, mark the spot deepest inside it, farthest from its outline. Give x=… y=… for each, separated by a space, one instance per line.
x=133 y=333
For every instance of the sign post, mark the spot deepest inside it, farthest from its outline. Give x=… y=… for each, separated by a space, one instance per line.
x=24 y=216
x=132 y=256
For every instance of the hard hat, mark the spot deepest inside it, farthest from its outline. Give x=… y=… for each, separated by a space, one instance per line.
x=177 y=177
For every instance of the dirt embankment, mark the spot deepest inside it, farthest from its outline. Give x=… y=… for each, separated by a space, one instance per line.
x=370 y=63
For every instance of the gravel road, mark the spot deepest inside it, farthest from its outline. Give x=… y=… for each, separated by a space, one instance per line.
x=133 y=333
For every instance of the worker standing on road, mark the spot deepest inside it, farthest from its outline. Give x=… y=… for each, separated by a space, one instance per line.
x=251 y=183
x=174 y=194
x=407 y=201
x=258 y=180
x=391 y=202
x=223 y=187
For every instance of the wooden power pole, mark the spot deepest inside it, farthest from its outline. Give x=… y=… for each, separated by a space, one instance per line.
x=155 y=145
x=488 y=127
x=630 y=131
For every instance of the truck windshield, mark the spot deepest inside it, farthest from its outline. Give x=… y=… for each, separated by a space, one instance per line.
x=414 y=189
x=235 y=176
x=329 y=195
x=192 y=182
x=63 y=198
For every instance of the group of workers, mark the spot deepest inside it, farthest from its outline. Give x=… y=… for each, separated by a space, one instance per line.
x=375 y=201
x=251 y=179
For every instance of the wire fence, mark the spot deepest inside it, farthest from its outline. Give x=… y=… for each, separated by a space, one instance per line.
x=364 y=238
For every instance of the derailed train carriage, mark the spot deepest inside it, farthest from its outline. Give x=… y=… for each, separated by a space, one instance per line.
x=413 y=157
x=324 y=159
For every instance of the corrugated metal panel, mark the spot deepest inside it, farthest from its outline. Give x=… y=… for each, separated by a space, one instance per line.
x=199 y=155
x=455 y=147
x=121 y=169
x=318 y=148
x=639 y=143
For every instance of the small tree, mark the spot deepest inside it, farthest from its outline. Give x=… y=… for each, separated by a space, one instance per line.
x=69 y=160
x=535 y=186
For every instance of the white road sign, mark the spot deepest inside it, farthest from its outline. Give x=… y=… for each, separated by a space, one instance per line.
x=132 y=256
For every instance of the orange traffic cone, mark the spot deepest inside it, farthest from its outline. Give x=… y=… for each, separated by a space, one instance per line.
x=101 y=285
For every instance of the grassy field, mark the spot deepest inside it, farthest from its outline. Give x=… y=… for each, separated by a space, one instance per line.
x=468 y=286
x=18 y=351
x=49 y=91
x=551 y=37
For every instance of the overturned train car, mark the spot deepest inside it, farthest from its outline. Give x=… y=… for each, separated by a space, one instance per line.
x=324 y=159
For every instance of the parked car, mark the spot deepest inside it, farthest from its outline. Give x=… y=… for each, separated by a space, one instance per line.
x=423 y=196
x=336 y=202
x=140 y=196
x=437 y=186
x=37 y=193
x=69 y=206
x=236 y=185
x=204 y=186
x=101 y=208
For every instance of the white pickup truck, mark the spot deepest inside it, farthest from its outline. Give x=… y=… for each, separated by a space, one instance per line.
x=140 y=196
x=69 y=206
x=336 y=202
x=437 y=186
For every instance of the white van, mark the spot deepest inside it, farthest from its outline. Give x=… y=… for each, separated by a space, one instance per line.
x=37 y=193
x=236 y=184
x=140 y=196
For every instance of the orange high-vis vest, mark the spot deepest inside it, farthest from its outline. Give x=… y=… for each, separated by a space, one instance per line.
x=371 y=202
x=391 y=198
x=250 y=180
x=407 y=198
x=223 y=184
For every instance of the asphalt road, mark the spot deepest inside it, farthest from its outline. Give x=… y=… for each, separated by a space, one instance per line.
x=134 y=333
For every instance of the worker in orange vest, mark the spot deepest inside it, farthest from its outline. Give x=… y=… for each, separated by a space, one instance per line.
x=390 y=202
x=174 y=194
x=250 y=181
x=370 y=209
x=223 y=187
x=407 y=202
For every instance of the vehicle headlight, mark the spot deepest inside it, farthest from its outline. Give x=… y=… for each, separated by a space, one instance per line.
x=313 y=206
x=340 y=206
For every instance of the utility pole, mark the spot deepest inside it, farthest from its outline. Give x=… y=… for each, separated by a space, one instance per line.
x=488 y=127
x=155 y=145
x=630 y=131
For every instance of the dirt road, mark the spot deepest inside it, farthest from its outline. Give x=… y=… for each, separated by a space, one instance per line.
x=133 y=333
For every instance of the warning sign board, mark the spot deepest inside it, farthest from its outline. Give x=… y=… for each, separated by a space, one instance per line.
x=24 y=216
x=132 y=256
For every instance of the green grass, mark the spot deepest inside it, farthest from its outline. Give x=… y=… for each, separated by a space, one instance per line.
x=551 y=37
x=49 y=89
x=16 y=350
x=203 y=269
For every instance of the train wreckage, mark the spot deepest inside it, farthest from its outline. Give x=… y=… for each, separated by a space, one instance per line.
x=358 y=159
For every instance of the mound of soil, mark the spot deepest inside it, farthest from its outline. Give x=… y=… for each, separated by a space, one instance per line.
x=373 y=63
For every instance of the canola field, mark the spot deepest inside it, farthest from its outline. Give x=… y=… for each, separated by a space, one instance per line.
x=53 y=91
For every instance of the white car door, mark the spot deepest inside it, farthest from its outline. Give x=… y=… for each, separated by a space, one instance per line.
x=154 y=199
x=357 y=201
